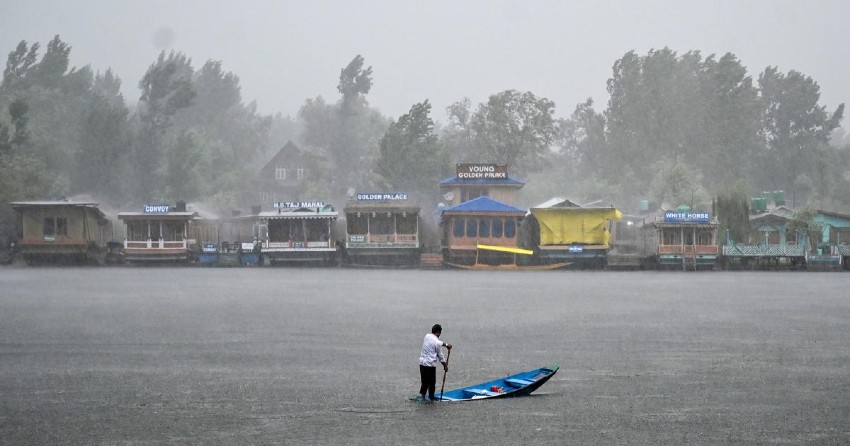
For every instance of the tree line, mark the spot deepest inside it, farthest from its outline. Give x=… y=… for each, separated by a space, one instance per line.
x=677 y=129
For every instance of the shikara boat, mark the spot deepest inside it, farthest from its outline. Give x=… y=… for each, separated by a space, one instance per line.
x=520 y=384
x=513 y=266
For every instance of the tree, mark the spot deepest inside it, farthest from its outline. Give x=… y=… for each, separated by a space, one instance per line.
x=348 y=132
x=410 y=154
x=678 y=184
x=583 y=140
x=19 y=65
x=512 y=127
x=166 y=88
x=732 y=209
x=793 y=124
x=354 y=82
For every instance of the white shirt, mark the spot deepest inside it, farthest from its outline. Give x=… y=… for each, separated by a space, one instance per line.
x=432 y=351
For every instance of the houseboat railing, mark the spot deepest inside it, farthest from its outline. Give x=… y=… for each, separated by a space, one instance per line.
x=156 y=244
x=688 y=249
x=390 y=238
x=297 y=244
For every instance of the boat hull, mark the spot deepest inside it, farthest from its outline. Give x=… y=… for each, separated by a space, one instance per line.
x=520 y=384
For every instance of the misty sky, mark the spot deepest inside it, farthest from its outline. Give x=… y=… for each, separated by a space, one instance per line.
x=286 y=51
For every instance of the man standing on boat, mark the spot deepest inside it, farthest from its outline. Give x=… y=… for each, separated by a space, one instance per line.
x=432 y=352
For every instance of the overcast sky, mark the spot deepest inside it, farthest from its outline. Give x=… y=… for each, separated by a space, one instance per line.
x=286 y=51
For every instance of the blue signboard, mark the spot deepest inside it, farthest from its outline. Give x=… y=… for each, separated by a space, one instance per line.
x=686 y=217
x=576 y=248
x=390 y=196
x=156 y=209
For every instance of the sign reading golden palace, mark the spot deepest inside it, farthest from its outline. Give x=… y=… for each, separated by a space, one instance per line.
x=482 y=171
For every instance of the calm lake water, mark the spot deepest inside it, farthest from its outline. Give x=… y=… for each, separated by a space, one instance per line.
x=329 y=356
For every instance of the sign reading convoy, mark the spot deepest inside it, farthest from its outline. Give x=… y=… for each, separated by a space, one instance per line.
x=482 y=171
x=156 y=209
x=686 y=217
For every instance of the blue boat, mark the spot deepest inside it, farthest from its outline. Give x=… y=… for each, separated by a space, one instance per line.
x=520 y=384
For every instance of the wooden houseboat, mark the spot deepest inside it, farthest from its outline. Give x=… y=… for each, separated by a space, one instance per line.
x=774 y=242
x=832 y=245
x=299 y=233
x=382 y=229
x=628 y=244
x=566 y=232
x=62 y=232
x=232 y=241
x=685 y=240
x=159 y=233
x=483 y=233
x=480 y=180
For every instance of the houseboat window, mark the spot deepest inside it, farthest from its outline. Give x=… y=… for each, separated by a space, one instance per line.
x=671 y=237
x=484 y=227
x=458 y=227
x=472 y=193
x=317 y=230
x=472 y=227
x=300 y=173
x=406 y=224
x=357 y=225
x=703 y=238
x=137 y=231
x=173 y=231
x=510 y=229
x=296 y=231
x=497 y=228
x=155 y=230
x=55 y=226
x=280 y=173
x=381 y=224
x=279 y=231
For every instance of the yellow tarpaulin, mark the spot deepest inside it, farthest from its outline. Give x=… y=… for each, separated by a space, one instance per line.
x=564 y=226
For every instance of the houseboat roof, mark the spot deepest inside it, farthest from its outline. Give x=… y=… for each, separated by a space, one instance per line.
x=454 y=181
x=780 y=213
x=483 y=204
x=17 y=205
x=182 y=215
x=357 y=206
x=300 y=213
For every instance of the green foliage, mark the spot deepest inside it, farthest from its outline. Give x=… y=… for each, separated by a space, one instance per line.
x=732 y=209
x=512 y=127
x=347 y=132
x=354 y=81
x=676 y=184
x=410 y=154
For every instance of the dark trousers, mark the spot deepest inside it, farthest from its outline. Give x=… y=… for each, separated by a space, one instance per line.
x=429 y=380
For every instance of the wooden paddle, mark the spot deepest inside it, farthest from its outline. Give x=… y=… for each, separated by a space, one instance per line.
x=445 y=372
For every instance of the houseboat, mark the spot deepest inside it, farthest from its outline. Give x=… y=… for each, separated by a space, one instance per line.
x=562 y=231
x=159 y=233
x=774 y=242
x=628 y=244
x=685 y=240
x=382 y=229
x=831 y=248
x=62 y=232
x=483 y=233
x=299 y=233
x=232 y=241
